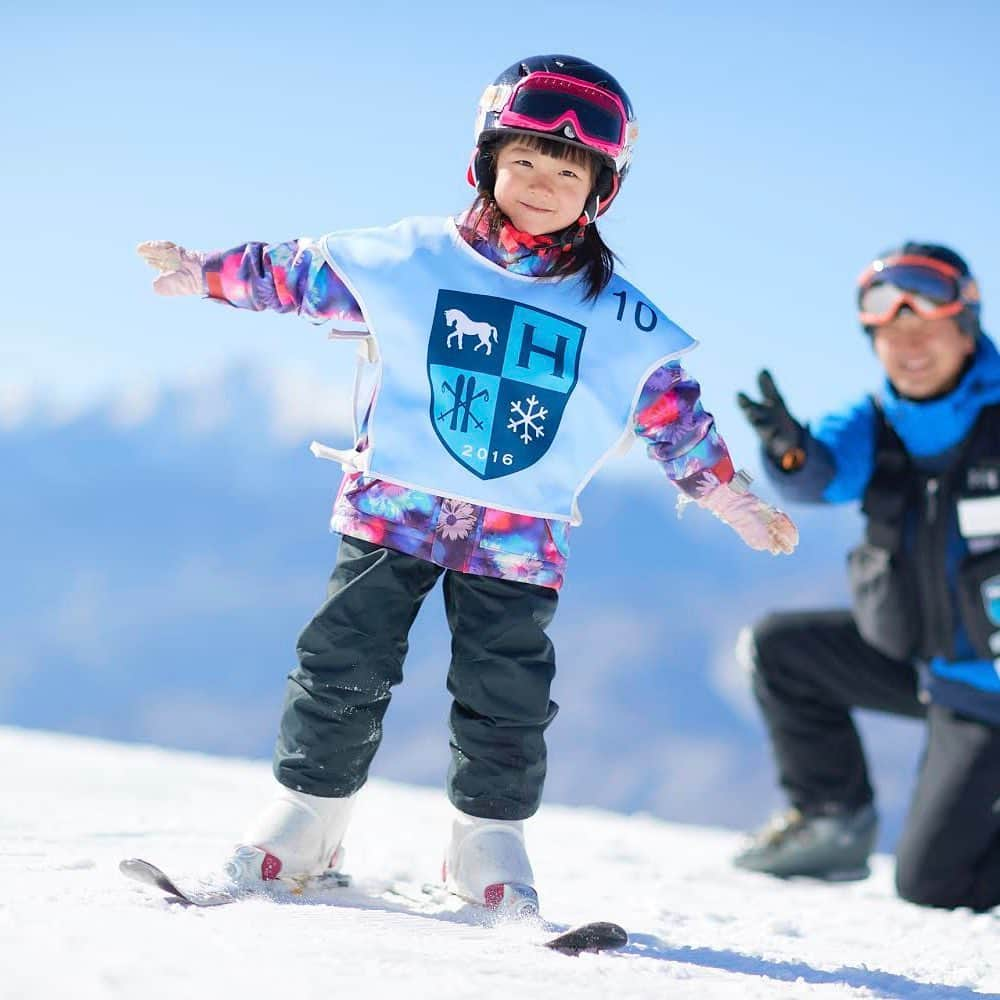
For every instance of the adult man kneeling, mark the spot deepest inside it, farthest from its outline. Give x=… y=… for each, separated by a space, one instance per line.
x=923 y=457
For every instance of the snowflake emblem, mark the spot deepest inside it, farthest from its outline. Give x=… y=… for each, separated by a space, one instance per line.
x=527 y=421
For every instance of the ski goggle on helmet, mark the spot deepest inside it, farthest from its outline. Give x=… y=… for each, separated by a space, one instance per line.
x=930 y=287
x=565 y=99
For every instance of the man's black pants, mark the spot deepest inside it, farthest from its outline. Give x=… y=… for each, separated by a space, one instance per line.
x=810 y=670
x=351 y=656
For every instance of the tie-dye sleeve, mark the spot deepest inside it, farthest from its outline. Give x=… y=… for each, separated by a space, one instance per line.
x=679 y=433
x=283 y=277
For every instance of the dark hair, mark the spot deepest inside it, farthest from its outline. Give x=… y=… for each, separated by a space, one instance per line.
x=592 y=256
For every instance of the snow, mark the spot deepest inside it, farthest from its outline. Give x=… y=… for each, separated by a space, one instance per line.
x=72 y=926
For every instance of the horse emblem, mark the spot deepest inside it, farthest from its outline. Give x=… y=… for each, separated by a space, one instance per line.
x=498 y=411
x=461 y=327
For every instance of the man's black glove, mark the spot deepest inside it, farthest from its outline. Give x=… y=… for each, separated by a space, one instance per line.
x=782 y=435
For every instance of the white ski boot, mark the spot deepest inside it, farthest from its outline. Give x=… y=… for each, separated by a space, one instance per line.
x=297 y=837
x=487 y=863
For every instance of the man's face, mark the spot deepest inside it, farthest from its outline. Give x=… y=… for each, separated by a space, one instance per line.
x=922 y=357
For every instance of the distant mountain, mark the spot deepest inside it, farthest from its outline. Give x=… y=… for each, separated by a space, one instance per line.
x=162 y=553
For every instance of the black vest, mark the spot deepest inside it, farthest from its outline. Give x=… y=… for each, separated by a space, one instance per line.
x=904 y=604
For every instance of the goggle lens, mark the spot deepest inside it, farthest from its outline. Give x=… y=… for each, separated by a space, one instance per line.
x=939 y=288
x=547 y=107
x=927 y=291
x=546 y=101
x=880 y=300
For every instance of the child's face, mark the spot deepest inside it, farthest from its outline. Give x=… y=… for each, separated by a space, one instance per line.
x=540 y=193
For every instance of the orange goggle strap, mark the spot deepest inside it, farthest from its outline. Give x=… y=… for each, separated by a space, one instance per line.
x=876 y=267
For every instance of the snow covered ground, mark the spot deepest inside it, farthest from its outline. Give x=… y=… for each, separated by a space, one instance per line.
x=72 y=926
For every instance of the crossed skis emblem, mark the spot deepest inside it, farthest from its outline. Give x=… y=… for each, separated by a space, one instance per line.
x=467 y=387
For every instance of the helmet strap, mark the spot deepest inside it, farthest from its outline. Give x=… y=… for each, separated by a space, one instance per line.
x=573 y=236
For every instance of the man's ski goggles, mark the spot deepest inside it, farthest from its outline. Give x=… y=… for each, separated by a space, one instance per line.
x=549 y=102
x=931 y=288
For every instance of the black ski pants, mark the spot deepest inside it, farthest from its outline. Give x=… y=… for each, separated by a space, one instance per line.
x=810 y=669
x=351 y=656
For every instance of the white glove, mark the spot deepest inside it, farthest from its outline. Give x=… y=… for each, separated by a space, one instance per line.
x=180 y=269
x=760 y=525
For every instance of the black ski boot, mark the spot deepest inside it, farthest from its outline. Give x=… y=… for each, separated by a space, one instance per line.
x=832 y=845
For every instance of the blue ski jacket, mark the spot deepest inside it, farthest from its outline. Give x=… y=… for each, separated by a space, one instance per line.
x=840 y=462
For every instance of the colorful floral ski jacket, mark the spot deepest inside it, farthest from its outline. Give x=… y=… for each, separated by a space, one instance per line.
x=679 y=434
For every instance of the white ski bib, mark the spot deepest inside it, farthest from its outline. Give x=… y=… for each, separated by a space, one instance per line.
x=504 y=390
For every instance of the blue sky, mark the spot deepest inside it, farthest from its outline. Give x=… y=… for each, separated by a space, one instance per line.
x=780 y=148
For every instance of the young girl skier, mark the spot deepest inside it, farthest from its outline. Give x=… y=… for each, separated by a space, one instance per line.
x=508 y=360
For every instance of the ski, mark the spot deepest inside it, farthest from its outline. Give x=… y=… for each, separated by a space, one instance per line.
x=149 y=874
x=597 y=936
x=593 y=937
x=143 y=871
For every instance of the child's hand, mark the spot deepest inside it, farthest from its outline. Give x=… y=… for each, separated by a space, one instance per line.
x=760 y=525
x=180 y=269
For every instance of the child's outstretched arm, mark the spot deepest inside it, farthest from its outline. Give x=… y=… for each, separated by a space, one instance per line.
x=282 y=277
x=682 y=437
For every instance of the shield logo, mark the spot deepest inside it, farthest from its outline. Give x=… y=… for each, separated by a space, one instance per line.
x=501 y=373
